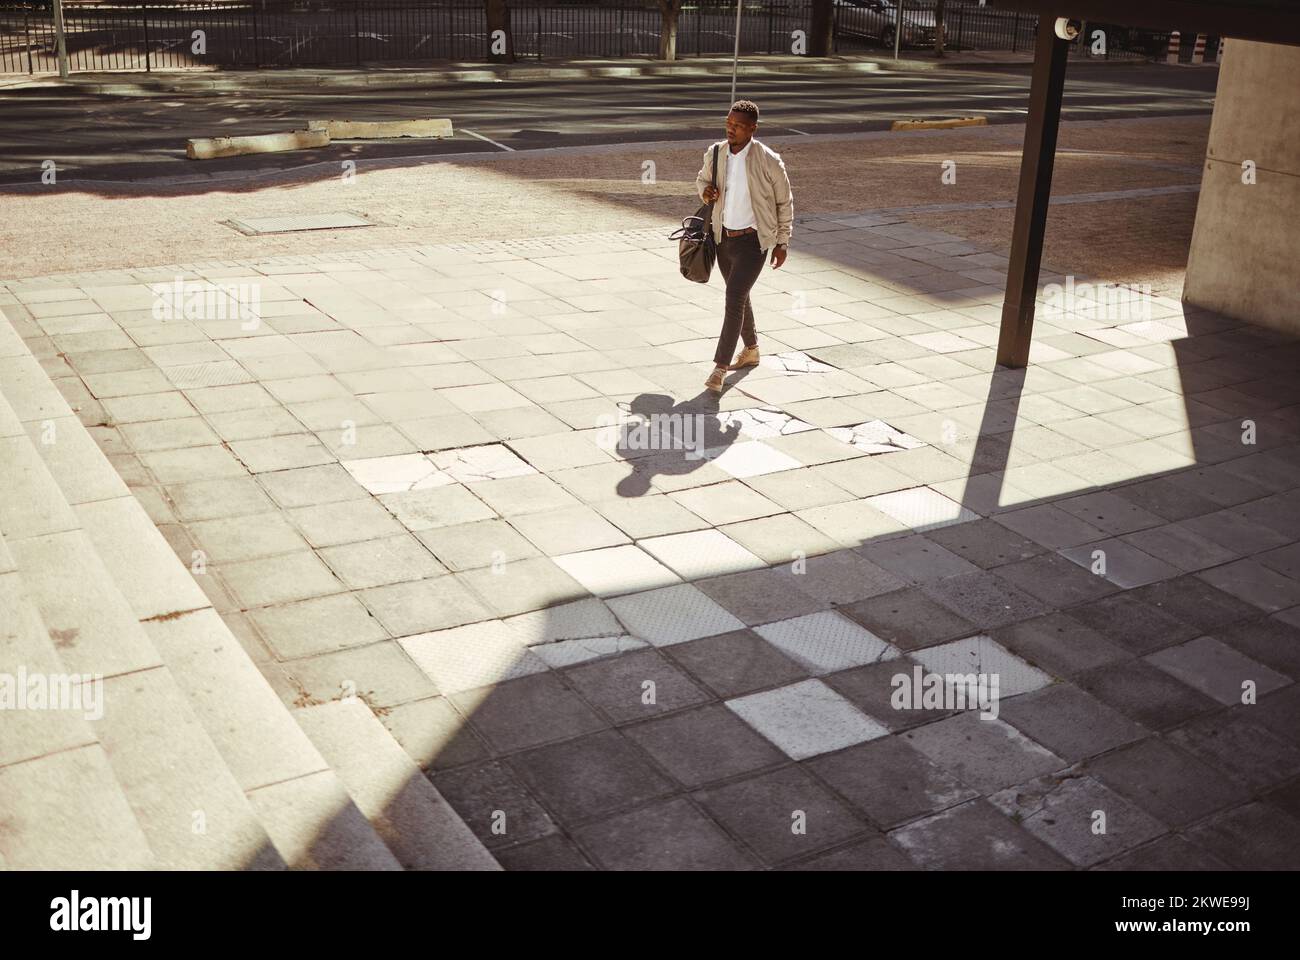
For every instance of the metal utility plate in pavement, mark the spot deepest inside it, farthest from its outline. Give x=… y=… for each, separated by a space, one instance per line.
x=255 y=226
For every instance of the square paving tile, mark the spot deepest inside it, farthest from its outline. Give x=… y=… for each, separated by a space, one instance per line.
x=522 y=586
x=806 y=719
x=374 y=563
x=672 y=615
x=590 y=776
x=1256 y=836
x=1069 y=722
x=1196 y=602
x=423 y=605
x=433 y=734
x=527 y=712
x=1273 y=641
x=765 y=810
x=874 y=853
x=890 y=782
x=492 y=461
x=611 y=571
x=351 y=521
x=974 y=836
x=750 y=458
x=908 y=619
x=921 y=508
x=1216 y=670
x=735 y=663
x=728 y=502
x=514 y=496
x=279 y=579
x=472 y=656
x=380 y=674
x=985 y=543
x=311 y=627
x=983 y=657
x=1146 y=694
x=568 y=530
x=987 y=754
x=1063 y=814
x=309 y=486
x=1254 y=583
x=1120 y=562
x=916 y=559
x=1168 y=783
x=1060 y=644
x=419 y=510
x=554 y=852
x=985 y=599
x=494 y=804
x=1128 y=621
x=842 y=577
x=1245 y=750
x=635 y=686
x=582 y=619
x=701 y=553
x=759 y=596
x=396 y=474
x=703 y=745
x=648 y=516
x=1060 y=582
x=825 y=642
x=672 y=835
x=467 y=546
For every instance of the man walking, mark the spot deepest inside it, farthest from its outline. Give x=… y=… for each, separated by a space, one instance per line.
x=756 y=214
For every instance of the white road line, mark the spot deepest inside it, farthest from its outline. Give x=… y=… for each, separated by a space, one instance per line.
x=800 y=132
x=488 y=139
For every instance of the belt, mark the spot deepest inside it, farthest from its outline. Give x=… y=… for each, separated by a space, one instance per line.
x=739 y=233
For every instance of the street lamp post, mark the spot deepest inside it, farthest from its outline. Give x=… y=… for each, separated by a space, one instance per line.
x=60 y=39
x=735 y=57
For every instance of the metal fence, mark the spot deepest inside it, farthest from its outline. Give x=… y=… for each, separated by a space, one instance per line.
x=118 y=35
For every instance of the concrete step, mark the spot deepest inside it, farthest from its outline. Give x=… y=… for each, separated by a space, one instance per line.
x=63 y=807
x=415 y=821
x=205 y=754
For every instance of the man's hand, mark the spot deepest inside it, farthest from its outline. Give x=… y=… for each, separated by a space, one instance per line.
x=710 y=193
x=778 y=256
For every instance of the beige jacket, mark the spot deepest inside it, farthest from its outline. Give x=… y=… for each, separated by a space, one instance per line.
x=769 y=191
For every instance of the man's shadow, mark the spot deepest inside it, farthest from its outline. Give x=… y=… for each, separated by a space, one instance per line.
x=659 y=437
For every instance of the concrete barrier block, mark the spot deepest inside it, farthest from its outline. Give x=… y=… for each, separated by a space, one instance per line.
x=210 y=148
x=939 y=124
x=382 y=129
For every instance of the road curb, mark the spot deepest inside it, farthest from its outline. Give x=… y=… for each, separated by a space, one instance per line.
x=180 y=81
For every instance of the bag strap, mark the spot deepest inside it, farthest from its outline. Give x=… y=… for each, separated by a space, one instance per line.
x=713 y=182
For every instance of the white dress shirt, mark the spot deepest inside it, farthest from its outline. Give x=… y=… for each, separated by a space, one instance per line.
x=737 y=211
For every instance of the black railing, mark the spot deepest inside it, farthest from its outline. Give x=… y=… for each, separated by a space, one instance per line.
x=126 y=35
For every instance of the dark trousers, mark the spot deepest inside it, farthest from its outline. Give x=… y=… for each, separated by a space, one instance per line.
x=741 y=261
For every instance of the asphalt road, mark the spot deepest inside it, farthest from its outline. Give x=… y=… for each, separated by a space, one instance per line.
x=101 y=137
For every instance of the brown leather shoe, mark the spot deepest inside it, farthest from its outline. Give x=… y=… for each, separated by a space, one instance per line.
x=716 y=380
x=747 y=357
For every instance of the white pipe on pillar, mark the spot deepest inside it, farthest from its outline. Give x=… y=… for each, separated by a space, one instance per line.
x=60 y=39
x=735 y=57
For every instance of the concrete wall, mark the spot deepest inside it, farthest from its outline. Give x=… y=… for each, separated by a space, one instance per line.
x=1245 y=254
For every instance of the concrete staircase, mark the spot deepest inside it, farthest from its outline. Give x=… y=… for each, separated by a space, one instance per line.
x=193 y=762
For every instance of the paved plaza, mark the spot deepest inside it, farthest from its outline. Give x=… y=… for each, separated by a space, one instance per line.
x=470 y=513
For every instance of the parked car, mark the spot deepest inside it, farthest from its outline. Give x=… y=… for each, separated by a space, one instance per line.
x=877 y=20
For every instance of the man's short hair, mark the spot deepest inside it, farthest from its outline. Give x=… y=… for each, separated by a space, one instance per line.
x=748 y=107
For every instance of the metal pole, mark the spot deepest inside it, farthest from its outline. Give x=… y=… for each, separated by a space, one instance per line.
x=144 y=18
x=1045 y=88
x=735 y=57
x=27 y=34
x=898 y=28
x=356 y=31
x=60 y=39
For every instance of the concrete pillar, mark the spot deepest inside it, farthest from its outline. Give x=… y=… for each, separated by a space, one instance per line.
x=1172 y=55
x=1198 y=51
x=1243 y=257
